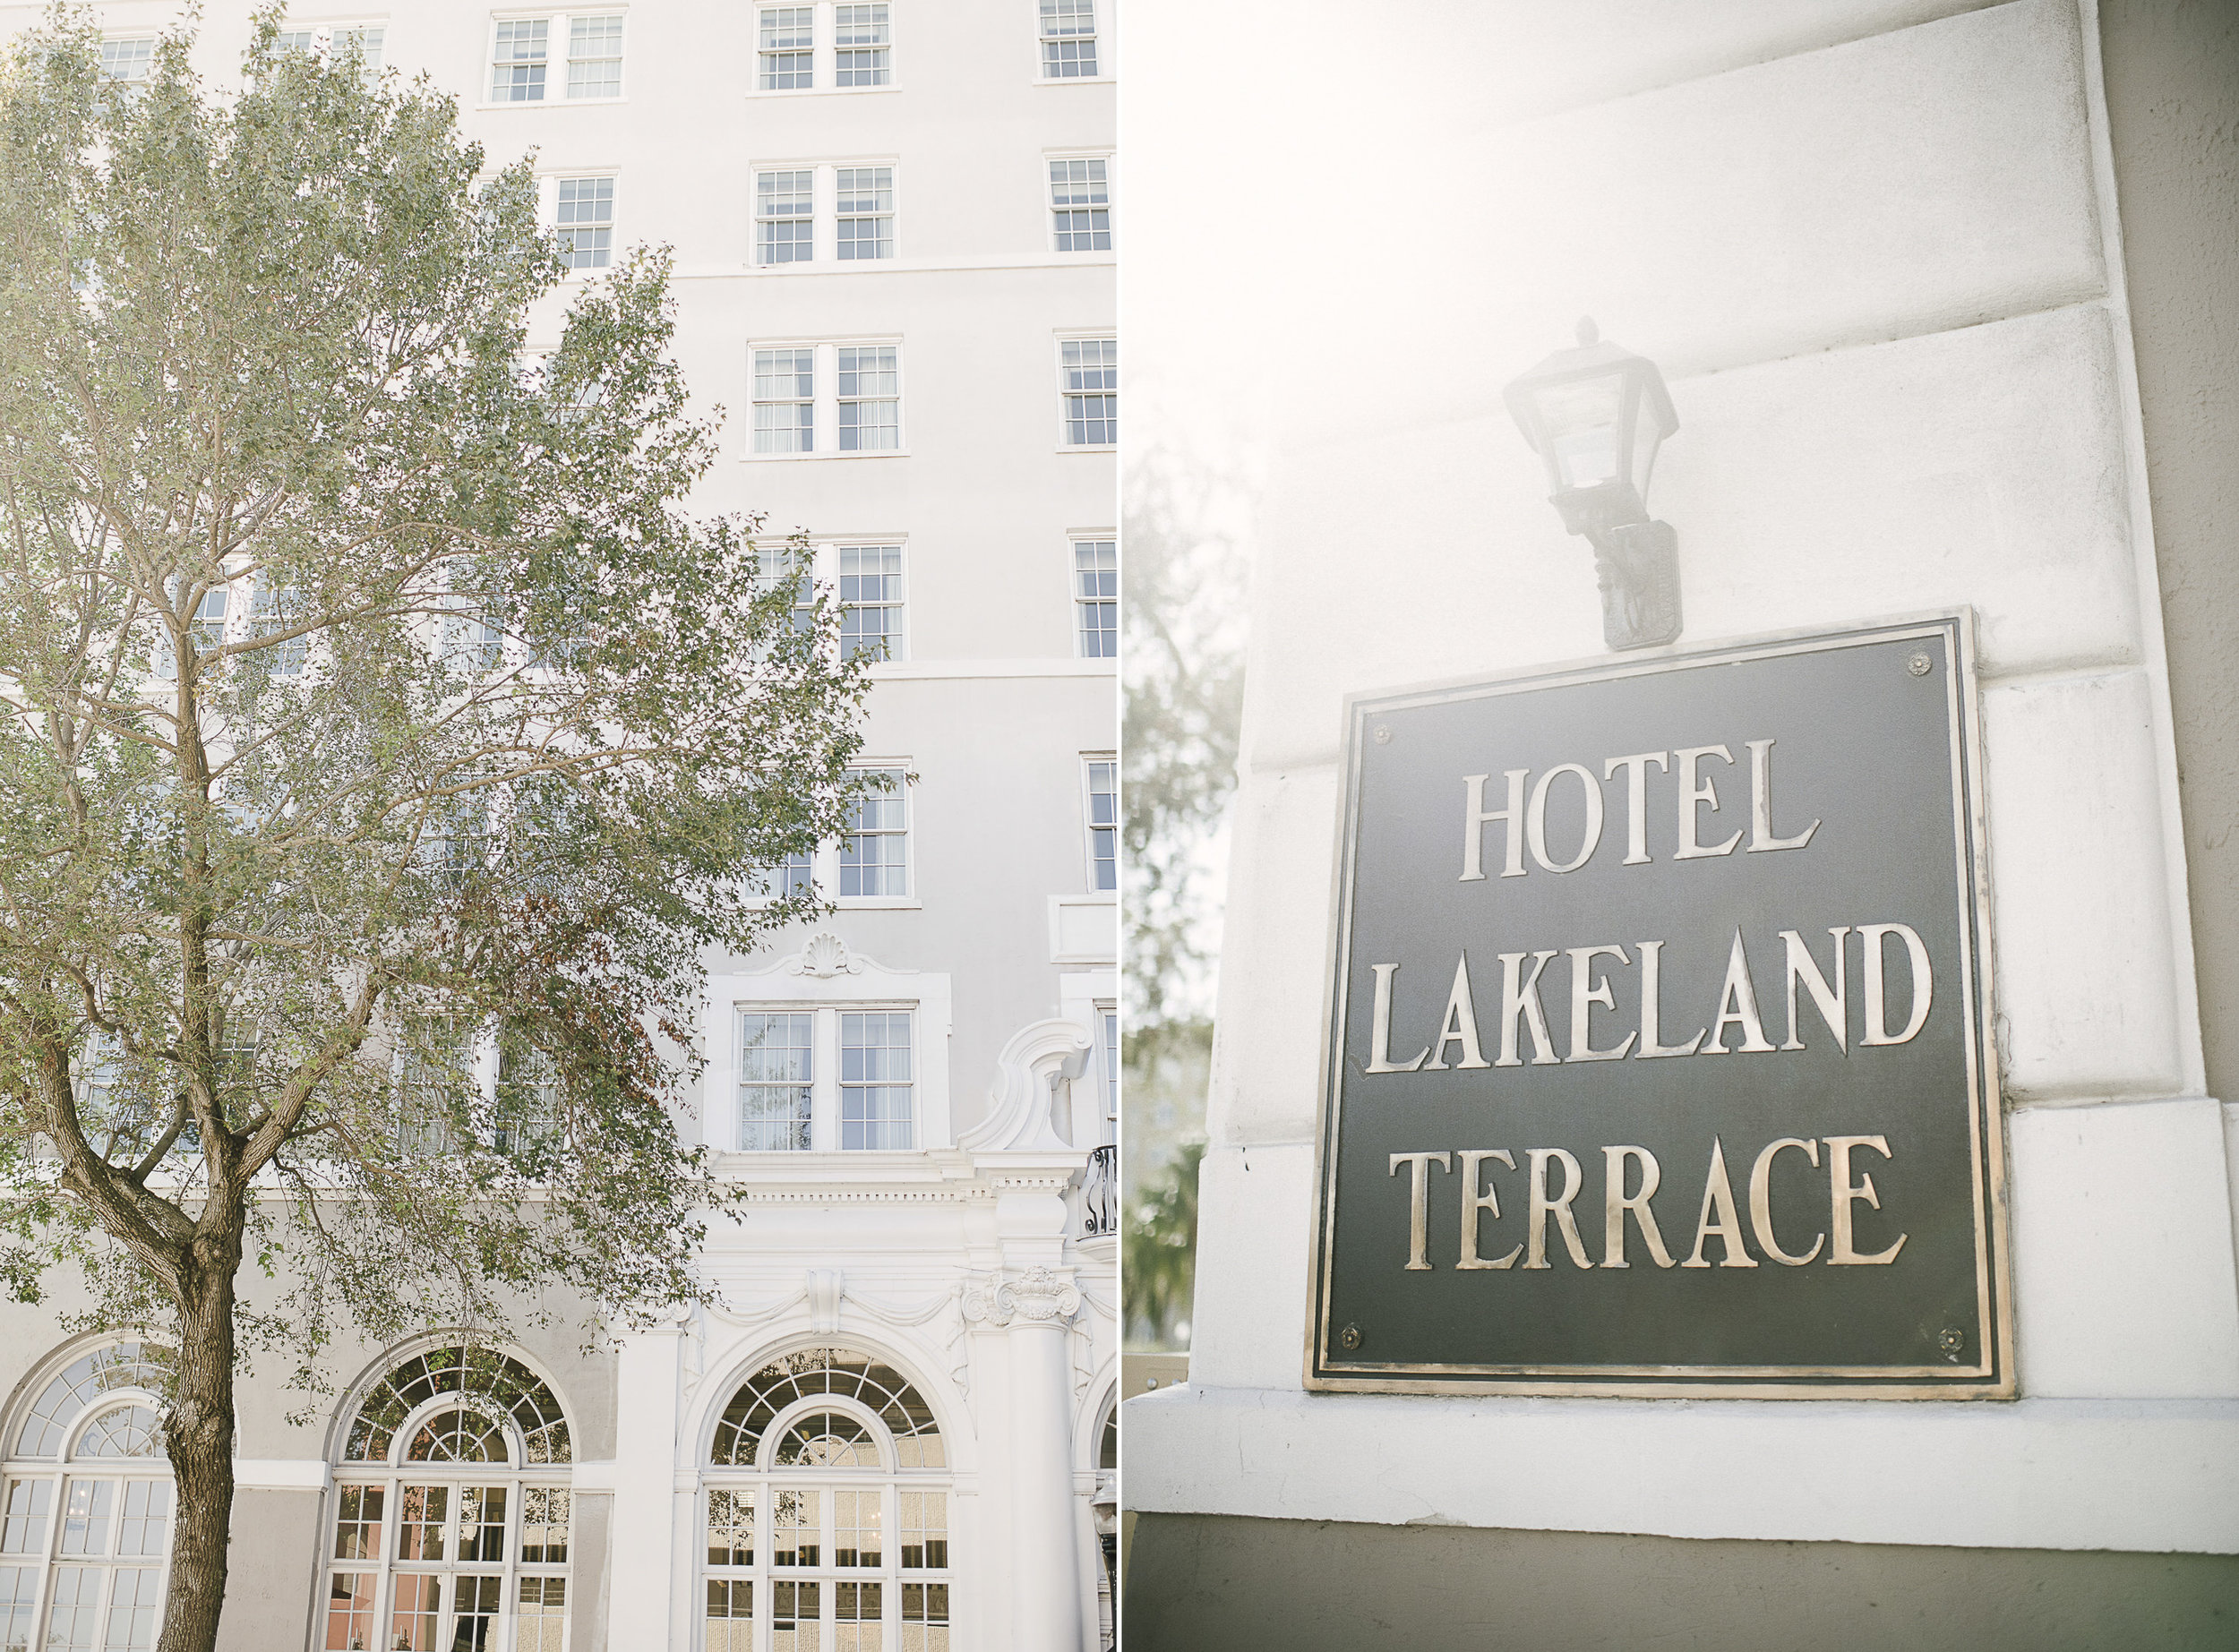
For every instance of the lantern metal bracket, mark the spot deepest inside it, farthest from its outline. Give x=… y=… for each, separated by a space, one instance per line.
x=1636 y=560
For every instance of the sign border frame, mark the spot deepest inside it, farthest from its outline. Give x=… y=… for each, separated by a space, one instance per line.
x=1993 y=1376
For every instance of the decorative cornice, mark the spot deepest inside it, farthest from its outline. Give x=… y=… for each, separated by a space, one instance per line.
x=825 y=957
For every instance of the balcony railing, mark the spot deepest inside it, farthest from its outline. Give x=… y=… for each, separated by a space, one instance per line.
x=1100 y=1193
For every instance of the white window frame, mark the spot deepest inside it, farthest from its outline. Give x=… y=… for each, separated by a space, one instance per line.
x=825 y=863
x=548 y=182
x=1110 y=208
x=1103 y=35
x=1073 y=542
x=65 y=1466
x=826 y=400
x=1080 y=336
x=1084 y=998
x=824 y=217
x=823 y=51
x=762 y=1481
x=1088 y=821
x=791 y=985
x=323 y=33
x=558 y=31
x=393 y=1473
x=122 y=36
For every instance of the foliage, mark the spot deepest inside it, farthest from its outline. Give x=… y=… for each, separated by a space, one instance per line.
x=1159 y=1248
x=369 y=706
x=1182 y=618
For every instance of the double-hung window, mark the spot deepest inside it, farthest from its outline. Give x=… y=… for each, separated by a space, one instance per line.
x=1080 y=204
x=369 y=39
x=787 y=39
x=131 y=60
x=571 y=56
x=870 y=601
x=1069 y=39
x=583 y=218
x=862 y=46
x=784 y=215
x=848 y=47
x=1097 y=598
x=1089 y=377
x=777 y=1079
x=820 y=1077
x=874 y=857
x=846 y=208
x=864 y=208
x=851 y=390
x=869 y=397
x=1101 y=813
x=871 y=865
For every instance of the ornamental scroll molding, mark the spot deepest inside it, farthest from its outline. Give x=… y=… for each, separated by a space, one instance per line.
x=1038 y=1297
x=1038 y=1055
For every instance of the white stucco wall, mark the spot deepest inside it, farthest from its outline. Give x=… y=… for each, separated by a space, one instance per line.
x=1874 y=250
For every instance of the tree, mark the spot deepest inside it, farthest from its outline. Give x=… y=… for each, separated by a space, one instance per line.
x=1183 y=614
x=368 y=698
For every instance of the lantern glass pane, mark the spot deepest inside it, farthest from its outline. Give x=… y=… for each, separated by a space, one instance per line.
x=1579 y=425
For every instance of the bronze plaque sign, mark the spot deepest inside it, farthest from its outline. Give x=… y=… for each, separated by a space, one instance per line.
x=1658 y=1057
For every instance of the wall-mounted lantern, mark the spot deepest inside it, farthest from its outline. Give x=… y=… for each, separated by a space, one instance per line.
x=1597 y=415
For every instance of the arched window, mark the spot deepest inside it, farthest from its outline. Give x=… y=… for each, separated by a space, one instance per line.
x=825 y=1508
x=452 y=1510
x=85 y=1516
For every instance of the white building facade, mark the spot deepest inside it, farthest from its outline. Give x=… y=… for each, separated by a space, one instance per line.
x=893 y=232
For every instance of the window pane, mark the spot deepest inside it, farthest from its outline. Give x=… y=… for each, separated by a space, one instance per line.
x=876 y=1079
x=594 y=57
x=545 y=1514
x=866 y=211
x=1068 y=38
x=1080 y=206
x=784 y=217
x=924 y=1531
x=350 y=1610
x=788 y=42
x=784 y=404
x=1096 y=597
x=795 y=1525
x=127 y=60
x=869 y=397
x=871 y=599
x=415 y=1612
x=855 y=1540
x=1092 y=384
x=794 y=1612
x=730 y=1527
x=23 y=1527
x=776 y=1075
x=357 y=1522
x=518 y=60
x=874 y=857
x=1104 y=826
x=861 y=38
x=585 y=222
x=543 y=1615
x=85 y=1516
x=729 y=1615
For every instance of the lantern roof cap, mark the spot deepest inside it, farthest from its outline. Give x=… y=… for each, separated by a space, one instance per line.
x=1592 y=357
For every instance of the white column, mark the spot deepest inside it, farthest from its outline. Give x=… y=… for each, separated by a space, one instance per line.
x=1037 y=1306
x=645 y=1484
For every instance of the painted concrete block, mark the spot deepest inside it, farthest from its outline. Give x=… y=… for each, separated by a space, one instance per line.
x=1918 y=180
x=1266 y=1064
x=1981 y=467
x=2122 y=1251
x=1249 y=1323
x=2086 y=980
x=2051 y=1474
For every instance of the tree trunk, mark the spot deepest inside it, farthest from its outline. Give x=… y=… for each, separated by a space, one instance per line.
x=199 y=1430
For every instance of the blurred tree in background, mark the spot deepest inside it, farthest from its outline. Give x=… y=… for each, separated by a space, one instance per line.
x=1183 y=624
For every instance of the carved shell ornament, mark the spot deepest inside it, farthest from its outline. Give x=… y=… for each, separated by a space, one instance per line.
x=827 y=955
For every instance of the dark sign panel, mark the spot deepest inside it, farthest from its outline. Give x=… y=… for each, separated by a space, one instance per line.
x=1658 y=1057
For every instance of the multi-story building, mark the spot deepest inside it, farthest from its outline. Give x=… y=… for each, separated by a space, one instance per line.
x=893 y=232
